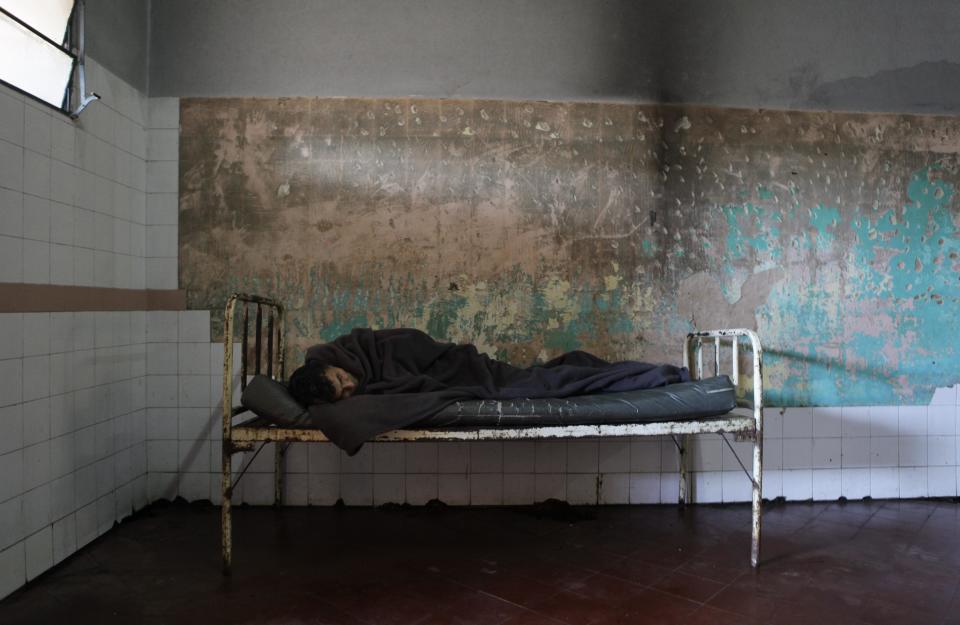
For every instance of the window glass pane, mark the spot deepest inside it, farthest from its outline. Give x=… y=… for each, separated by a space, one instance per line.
x=48 y=16
x=30 y=63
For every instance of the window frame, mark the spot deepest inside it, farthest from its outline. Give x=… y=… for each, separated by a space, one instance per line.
x=70 y=47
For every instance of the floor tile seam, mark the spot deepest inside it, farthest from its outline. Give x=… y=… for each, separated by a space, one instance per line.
x=548 y=618
x=348 y=613
x=639 y=587
x=724 y=610
x=699 y=603
x=554 y=618
x=446 y=613
x=646 y=586
x=711 y=597
x=695 y=603
x=513 y=603
x=679 y=569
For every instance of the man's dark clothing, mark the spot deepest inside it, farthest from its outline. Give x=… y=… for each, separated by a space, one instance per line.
x=404 y=376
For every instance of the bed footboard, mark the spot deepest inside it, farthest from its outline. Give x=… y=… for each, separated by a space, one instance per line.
x=693 y=360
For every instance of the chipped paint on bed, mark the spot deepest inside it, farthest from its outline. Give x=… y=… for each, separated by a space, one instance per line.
x=532 y=228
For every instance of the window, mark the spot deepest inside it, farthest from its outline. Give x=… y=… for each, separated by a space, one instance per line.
x=37 y=50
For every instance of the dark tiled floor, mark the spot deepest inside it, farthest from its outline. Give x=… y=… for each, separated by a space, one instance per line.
x=865 y=562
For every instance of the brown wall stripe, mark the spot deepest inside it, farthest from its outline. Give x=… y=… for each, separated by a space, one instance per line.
x=60 y=298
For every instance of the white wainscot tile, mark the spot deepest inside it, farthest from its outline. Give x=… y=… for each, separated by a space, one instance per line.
x=583 y=456
x=941 y=421
x=551 y=456
x=357 y=489
x=388 y=458
x=855 y=482
x=884 y=451
x=797 y=484
x=615 y=488
x=324 y=490
x=388 y=488
x=913 y=482
x=550 y=486
x=519 y=489
x=798 y=423
x=855 y=452
x=913 y=451
x=884 y=482
x=884 y=421
x=706 y=487
x=825 y=453
x=855 y=421
x=582 y=489
x=421 y=489
x=827 y=484
x=645 y=488
x=454 y=489
x=942 y=481
x=614 y=456
x=912 y=420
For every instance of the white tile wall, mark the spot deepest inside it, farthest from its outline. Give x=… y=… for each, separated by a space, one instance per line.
x=72 y=399
x=69 y=438
x=162 y=183
x=74 y=193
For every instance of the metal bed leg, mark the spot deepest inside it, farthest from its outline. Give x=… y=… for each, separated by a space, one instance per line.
x=225 y=520
x=757 y=500
x=682 y=448
x=278 y=457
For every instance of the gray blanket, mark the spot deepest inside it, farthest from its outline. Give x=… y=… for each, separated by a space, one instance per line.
x=405 y=376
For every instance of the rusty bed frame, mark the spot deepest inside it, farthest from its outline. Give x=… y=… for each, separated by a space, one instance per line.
x=745 y=421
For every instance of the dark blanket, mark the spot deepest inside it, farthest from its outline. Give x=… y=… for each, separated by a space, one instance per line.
x=405 y=376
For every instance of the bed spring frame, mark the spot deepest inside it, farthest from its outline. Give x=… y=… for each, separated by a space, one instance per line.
x=745 y=421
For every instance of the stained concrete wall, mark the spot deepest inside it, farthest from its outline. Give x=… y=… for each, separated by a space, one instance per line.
x=533 y=228
x=868 y=55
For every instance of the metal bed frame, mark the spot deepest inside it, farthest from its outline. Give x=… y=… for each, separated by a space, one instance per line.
x=745 y=421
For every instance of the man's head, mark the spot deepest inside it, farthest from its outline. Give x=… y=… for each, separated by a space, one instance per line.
x=317 y=382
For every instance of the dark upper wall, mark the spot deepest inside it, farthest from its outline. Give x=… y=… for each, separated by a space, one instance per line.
x=875 y=55
x=118 y=37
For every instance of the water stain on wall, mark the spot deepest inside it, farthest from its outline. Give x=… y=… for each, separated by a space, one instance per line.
x=532 y=228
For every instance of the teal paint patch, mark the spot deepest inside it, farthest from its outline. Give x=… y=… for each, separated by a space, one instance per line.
x=764 y=193
x=444 y=315
x=563 y=339
x=899 y=281
x=824 y=219
x=750 y=233
x=905 y=252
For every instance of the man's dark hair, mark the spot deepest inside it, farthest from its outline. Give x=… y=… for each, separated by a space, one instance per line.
x=309 y=385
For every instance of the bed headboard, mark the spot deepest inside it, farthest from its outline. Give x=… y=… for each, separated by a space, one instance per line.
x=262 y=353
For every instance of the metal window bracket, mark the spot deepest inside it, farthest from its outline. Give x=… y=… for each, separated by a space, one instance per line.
x=83 y=97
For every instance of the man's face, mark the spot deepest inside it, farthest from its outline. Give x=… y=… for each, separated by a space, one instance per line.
x=344 y=384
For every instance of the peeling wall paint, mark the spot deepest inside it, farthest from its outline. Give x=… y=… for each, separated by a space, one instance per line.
x=532 y=228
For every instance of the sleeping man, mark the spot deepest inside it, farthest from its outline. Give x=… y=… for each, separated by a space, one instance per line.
x=372 y=381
